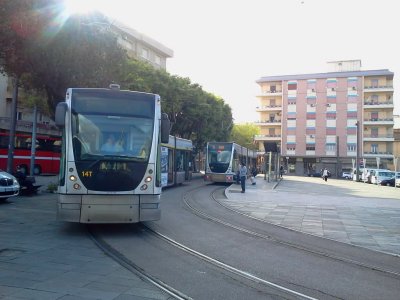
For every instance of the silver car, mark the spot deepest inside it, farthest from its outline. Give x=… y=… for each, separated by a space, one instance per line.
x=9 y=186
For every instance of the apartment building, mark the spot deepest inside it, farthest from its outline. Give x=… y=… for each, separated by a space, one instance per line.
x=140 y=46
x=318 y=120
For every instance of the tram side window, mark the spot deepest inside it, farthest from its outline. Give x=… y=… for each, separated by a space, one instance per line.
x=4 y=141
x=179 y=160
x=236 y=162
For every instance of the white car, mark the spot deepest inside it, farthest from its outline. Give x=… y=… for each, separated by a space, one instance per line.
x=9 y=186
x=347 y=175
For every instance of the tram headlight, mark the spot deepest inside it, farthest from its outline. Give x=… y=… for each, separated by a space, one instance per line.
x=77 y=186
x=143 y=187
x=72 y=178
x=148 y=179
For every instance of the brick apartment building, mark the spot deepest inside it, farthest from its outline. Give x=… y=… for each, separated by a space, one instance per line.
x=316 y=118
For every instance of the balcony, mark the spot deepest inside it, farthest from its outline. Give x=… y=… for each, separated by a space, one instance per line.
x=378 y=138
x=377 y=121
x=269 y=123
x=378 y=88
x=267 y=137
x=378 y=105
x=270 y=93
x=269 y=108
x=26 y=126
x=378 y=154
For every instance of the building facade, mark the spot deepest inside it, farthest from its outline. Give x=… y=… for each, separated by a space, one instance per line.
x=321 y=120
x=142 y=47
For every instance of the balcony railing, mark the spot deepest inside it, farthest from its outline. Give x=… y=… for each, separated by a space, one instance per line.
x=379 y=136
x=378 y=120
x=260 y=136
x=370 y=87
x=269 y=121
x=269 y=106
x=378 y=103
x=378 y=153
x=26 y=126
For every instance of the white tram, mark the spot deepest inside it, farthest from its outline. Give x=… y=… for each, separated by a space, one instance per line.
x=110 y=170
x=223 y=159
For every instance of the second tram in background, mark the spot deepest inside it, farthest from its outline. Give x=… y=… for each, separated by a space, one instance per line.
x=223 y=159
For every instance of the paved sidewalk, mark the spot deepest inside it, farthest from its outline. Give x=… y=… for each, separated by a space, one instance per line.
x=41 y=258
x=351 y=212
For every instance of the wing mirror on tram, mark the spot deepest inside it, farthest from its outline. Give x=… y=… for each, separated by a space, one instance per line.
x=61 y=111
x=165 y=128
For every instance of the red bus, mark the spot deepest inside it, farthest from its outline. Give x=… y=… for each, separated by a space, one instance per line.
x=47 y=156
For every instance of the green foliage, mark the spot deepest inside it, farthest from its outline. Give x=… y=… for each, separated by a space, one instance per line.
x=52 y=187
x=49 y=56
x=243 y=134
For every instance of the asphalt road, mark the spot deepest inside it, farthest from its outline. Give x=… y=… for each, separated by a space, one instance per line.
x=302 y=263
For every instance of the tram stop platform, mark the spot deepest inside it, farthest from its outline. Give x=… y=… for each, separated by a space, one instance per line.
x=356 y=213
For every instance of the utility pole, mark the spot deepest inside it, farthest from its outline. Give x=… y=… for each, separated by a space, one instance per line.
x=13 y=122
x=357 y=150
x=33 y=141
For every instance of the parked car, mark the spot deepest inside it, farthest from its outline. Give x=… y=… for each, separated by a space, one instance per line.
x=378 y=175
x=9 y=186
x=388 y=182
x=347 y=175
x=397 y=179
x=392 y=181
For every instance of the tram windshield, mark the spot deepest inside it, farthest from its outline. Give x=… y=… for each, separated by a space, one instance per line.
x=219 y=157
x=112 y=125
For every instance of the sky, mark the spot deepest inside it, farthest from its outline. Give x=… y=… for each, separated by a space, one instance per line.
x=226 y=45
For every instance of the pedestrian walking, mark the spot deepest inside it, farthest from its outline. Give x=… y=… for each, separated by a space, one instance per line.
x=281 y=171
x=243 y=174
x=325 y=174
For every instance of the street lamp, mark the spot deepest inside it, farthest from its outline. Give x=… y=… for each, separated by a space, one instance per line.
x=287 y=164
x=357 y=151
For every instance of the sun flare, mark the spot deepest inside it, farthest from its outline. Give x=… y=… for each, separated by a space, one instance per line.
x=80 y=6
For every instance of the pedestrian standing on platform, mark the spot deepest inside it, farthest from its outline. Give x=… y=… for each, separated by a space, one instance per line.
x=325 y=174
x=243 y=175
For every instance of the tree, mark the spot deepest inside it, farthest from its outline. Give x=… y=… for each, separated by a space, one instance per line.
x=79 y=53
x=53 y=56
x=243 y=134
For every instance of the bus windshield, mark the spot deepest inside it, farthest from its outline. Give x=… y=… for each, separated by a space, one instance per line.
x=109 y=124
x=219 y=157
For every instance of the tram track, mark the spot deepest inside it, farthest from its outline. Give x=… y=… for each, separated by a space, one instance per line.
x=191 y=205
x=271 y=238
x=134 y=268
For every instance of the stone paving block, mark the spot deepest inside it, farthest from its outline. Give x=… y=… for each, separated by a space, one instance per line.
x=147 y=293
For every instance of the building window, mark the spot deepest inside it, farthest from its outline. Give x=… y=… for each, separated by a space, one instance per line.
x=145 y=53
x=292 y=86
x=374 y=148
x=374 y=132
x=374 y=116
x=19 y=116
x=291 y=147
x=157 y=60
x=351 y=147
x=310 y=147
x=330 y=147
